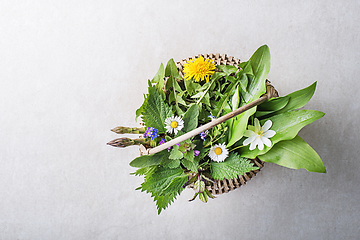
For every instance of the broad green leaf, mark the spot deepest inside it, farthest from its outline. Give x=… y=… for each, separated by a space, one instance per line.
x=233 y=166
x=159 y=77
x=191 y=118
x=260 y=65
x=175 y=153
x=235 y=99
x=172 y=70
x=176 y=185
x=274 y=104
x=271 y=106
x=158 y=182
x=295 y=154
x=227 y=69
x=161 y=179
x=299 y=98
x=191 y=86
x=149 y=160
x=286 y=125
x=155 y=111
x=190 y=165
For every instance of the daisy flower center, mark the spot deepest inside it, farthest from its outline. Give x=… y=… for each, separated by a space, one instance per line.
x=174 y=124
x=218 y=151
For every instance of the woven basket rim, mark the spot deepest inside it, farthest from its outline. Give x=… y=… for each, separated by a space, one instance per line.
x=225 y=185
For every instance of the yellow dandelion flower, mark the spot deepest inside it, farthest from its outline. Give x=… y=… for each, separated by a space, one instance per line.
x=199 y=69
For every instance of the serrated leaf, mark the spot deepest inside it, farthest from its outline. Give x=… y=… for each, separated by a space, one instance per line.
x=176 y=185
x=155 y=111
x=189 y=155
x=175 y=153
x=144 y=171
x=233 y=166
x=163 y=201
x=170 y=163
x=158 y=182
x=160 y=179
x=190 y=165
x=295 y=154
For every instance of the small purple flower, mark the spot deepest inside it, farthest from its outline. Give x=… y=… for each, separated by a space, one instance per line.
x=162 y=141
x=151 y=132
x=204 y=134
x=196 y=153
x=178 y=144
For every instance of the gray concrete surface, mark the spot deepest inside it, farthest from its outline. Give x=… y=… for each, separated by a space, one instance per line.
x=72 y=70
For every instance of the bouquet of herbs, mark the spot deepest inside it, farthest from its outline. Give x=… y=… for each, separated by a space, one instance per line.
x=177 y=104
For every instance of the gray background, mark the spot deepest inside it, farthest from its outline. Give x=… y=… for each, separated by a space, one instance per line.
x=72 y=70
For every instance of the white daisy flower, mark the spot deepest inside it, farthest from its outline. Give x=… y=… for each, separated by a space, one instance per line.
x=218 y=152
x=258 y=136
x=174 y=124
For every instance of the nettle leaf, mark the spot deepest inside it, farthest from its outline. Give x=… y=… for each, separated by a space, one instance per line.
x=286 y=125
x=161 y=186
x=163 y=201
x=170 y=163
x=233 y=166
x=191 y=118
x=295 y=154
x=176 y=185
x=175 y=153
x=146 y=171
x=190 y=165
x=149 y=160
x=156 y=111
x=260 y=66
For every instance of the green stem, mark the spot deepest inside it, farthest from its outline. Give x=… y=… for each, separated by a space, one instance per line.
x=236 y=148
x=205 y=92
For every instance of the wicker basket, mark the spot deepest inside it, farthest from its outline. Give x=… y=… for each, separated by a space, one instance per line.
x=225 y=185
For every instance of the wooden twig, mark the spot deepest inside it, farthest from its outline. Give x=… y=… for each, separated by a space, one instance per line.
x=271 y=92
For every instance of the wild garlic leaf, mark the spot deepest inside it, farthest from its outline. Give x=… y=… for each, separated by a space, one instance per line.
x=260 y=67
x=295 y=154
x=299 y=98
x=233 y=166
x=286 y=125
